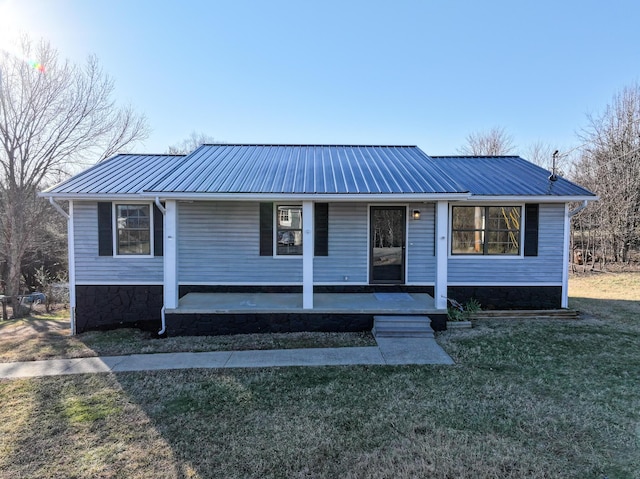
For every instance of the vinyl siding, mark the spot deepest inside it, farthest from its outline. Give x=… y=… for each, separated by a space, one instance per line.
x=219 y=242
x=348 y=246
x=544 y=268
x=421 y=261
x=91 y=268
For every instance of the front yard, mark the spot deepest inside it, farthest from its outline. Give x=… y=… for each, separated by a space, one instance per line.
x=538 y=399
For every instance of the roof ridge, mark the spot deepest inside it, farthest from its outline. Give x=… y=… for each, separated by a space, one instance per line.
x=308 y=144
x=149 y=154
x=475 y=156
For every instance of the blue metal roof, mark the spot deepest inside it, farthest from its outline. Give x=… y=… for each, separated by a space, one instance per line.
x=505 y=176
x=314 y=169
x=120 y=174
x=293 y=169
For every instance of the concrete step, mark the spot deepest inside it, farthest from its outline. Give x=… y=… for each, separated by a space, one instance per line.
x=402 y=327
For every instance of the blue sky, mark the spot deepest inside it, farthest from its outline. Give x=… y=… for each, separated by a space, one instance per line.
x=357 y=72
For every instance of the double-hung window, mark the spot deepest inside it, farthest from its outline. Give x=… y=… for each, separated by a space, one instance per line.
x=485 y=230
x=289 y=230
x=133 y=226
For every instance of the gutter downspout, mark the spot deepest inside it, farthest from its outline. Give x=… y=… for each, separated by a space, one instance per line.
x=578 y=209
x=164 y=323
x=162 y=317
x=159 y=205
x=71 y=250
x=58 y=208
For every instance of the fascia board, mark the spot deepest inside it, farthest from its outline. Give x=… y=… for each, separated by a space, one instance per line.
x=530 y=198
x=306 y=197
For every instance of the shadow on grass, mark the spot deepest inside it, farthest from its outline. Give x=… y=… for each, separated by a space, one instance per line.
x=615 y=312
x=536 y=399
x=539 y=399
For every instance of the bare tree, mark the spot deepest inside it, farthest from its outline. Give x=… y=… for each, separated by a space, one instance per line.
x=494 y=142
x=193 y=141
x=610 y=166
x=50 y=118
x=540 y=153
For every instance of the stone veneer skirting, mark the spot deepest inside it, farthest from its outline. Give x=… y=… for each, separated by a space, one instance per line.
x=509 y=297
x=118 y=306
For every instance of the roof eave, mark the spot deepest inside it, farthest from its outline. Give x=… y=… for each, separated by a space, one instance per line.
x=336 y=197
x=91 y=196
x=533 y=198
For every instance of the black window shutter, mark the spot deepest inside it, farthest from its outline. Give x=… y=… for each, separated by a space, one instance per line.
x=266 y=229
x=321 y=228
x=158 y=232
x=105 y=229
x=531 y=222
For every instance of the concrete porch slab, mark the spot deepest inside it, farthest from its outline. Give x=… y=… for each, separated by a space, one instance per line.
x=268 y=303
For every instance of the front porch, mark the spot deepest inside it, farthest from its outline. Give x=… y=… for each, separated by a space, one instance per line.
x=325 y=303
x=235 y=313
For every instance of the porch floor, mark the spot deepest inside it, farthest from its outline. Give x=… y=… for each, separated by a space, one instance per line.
x=331 y=303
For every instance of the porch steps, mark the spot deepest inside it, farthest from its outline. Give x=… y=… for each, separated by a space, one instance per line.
x=402 y=327
x=527 y=314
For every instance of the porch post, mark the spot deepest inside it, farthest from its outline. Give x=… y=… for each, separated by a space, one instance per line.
x=442 y=235
x=564 y=302
x=72 y=269
x=307 y=254
x=170 y=255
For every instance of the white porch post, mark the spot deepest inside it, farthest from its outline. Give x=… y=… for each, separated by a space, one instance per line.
x=442 y=241
x=72 y=269
x=170 y=255
x=565 y=258
x=307 y=254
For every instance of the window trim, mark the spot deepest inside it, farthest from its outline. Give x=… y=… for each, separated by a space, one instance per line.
x=114 y=226
x=276 y=215
x=467 y=256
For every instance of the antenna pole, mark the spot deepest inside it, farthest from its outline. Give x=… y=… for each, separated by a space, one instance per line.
x=554 y=176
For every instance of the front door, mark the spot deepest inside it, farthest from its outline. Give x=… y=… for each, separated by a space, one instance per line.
x=387 y=237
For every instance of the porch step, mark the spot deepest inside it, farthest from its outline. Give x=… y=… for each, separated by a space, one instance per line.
x=402 y=327
x=527 y=314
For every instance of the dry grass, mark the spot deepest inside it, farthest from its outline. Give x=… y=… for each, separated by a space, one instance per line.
x=539 y=399
x=36 y=339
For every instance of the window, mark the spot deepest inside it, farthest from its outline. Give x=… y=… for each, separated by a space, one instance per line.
x=289 y=231
x=485 y=230
x=133 y=229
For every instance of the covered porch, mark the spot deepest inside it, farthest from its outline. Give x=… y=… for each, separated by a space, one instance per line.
x=216 y=313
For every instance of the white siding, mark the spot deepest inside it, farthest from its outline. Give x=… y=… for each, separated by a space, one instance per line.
x=219 y=242
x=544 y=268
x=91 y=268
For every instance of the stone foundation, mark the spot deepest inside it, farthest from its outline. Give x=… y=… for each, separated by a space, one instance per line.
x=509 y=297
x=100 y=307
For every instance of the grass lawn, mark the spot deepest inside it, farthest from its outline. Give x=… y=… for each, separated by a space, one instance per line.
x=29 y=339
x=538 y=399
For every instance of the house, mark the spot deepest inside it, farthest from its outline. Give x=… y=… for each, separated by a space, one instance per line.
x=244 y=238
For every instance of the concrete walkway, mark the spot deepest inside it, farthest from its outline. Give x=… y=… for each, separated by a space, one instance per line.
x=390 y=351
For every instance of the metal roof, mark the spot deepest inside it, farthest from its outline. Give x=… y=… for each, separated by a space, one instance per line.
x=306 y=169
x=120 y=174
x=225 y=170
x=505 y=176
